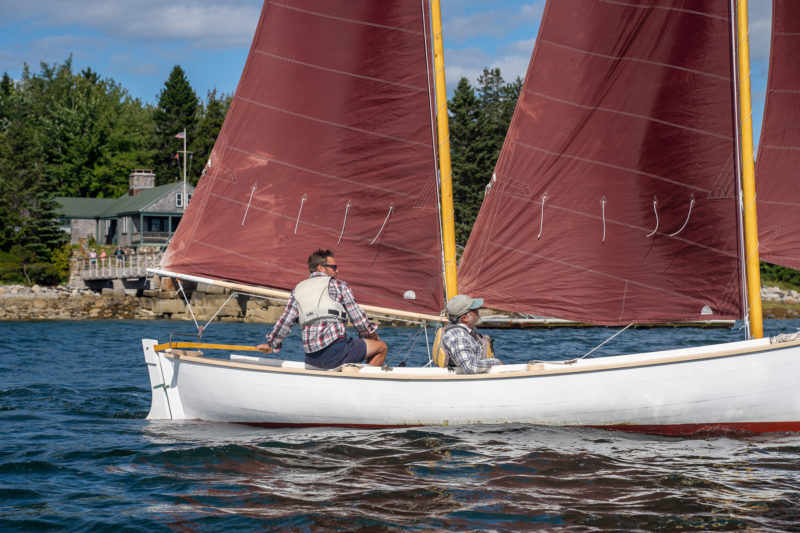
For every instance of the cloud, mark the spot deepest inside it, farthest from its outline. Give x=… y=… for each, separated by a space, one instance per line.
x=204 y=23
x=493 y=22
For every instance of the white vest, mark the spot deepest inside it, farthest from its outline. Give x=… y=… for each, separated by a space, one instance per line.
x=314 y=303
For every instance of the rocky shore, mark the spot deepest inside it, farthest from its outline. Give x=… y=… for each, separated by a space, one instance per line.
x=61 y=303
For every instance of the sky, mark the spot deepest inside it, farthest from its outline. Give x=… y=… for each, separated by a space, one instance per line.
x=138 y=42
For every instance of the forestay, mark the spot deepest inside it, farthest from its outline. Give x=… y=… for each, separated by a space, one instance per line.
x=613 y=199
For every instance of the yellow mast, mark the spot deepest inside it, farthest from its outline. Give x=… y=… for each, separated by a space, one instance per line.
x=445 y=172
x=748 y=176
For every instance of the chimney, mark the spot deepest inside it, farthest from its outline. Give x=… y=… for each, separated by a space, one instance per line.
x=140 y=180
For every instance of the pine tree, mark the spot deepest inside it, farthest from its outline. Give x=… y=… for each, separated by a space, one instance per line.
x=464 y=110
x=177 y=109
x=207 y=131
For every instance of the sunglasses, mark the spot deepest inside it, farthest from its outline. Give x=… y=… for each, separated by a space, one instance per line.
x=334 y=267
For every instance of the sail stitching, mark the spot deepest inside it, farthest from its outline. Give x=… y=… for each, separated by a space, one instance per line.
x=335 y=124
x=691 y=204
x=655 y=210
x=636 y=60
x=343 y=72
x=632 y=115
x=322 y=174
x=665 y=8
x=777 y=147
x=617 y=167
x=343 y=19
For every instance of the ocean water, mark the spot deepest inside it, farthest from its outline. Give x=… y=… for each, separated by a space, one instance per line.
x=78 y=455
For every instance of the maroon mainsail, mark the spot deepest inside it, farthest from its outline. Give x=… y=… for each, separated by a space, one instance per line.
x=778 y=162
x=329 y=143
x=613 y=200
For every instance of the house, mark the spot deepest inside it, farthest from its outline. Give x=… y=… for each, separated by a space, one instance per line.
x=146 y=216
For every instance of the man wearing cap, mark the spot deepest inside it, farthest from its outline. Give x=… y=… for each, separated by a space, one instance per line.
x=466 y=347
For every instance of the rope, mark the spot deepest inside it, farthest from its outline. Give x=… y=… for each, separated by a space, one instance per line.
x=603 y=207
x=691 y=204
x=218 y=310
x=541 y=218
x=655 y=210
x=189 y=306
x=573 y=361
x=391 y=208
x=407 y=346
x=302 y=201
x=785 y=337
x=252 y=191
x=344 y=222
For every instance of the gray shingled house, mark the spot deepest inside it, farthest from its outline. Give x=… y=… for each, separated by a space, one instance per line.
x=146 y=216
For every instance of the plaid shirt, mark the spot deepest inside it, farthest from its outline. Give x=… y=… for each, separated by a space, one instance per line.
x=465 y=351
x=322 y=333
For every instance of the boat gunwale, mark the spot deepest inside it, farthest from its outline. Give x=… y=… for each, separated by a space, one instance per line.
x=396 y=373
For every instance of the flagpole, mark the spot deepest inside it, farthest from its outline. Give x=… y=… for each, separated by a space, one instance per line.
x=184 y=168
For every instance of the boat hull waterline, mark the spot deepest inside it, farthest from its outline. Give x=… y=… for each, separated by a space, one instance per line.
x=747 y=386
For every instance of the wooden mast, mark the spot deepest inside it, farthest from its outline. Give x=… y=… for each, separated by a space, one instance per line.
x=748 y=176
x=445 y=171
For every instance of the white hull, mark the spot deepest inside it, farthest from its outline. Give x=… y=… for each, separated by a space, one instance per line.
x=749 y=386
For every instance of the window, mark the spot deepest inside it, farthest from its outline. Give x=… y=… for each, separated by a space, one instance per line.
x=124 y=224
x=188 y=198
x=179 y=200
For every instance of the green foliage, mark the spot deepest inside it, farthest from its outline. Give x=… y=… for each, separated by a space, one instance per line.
x=177 y=110
x=776 y=274
x=478 y=124
x=207 y=131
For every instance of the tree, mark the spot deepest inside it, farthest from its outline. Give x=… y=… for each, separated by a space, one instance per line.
x=177 y=109
x=207 y=131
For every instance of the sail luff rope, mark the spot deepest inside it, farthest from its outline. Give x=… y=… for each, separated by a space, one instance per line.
x=655 y=210
x=691 y=204
x=252 y=191
x=344 y=222
x=297 y=222
x=385 y=220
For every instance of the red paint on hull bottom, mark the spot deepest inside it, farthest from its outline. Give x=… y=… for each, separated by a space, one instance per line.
x=732 y=429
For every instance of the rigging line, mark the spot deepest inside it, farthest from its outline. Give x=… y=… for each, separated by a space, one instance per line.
x=691 y=204
x=391 y=208
x=541 y=218
x=427 y=344
x=189 y=306
x=252 y=192
x=302 y=201
x=220 y=309
x=344 y=222
x=603 y=207
x=408 y=346
x=604 y=342
x=655 y=210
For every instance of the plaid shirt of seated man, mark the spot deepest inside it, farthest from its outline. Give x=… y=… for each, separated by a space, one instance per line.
x=465 y=351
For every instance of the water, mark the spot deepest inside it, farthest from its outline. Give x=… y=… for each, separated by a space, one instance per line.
x=78 y=455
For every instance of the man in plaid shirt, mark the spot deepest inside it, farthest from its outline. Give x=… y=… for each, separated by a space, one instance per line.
x=325 y=339
x=466 y=347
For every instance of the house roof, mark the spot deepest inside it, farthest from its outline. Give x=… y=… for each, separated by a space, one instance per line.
x=112 y=207
x=83 y=207
x=134 y=204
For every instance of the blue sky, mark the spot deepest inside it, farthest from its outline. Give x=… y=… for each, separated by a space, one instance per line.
x=137 y=42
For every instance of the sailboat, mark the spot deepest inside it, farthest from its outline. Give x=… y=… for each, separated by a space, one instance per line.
x=333 y=137
x=779 y=148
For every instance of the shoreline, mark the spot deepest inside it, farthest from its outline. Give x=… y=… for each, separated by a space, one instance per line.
x=19 y=302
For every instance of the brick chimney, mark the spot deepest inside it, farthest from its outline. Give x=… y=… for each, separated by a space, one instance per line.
x=140 y=180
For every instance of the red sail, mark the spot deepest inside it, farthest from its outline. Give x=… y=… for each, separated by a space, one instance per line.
x=328 y=144
x=625 y=103
x=777 y=174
